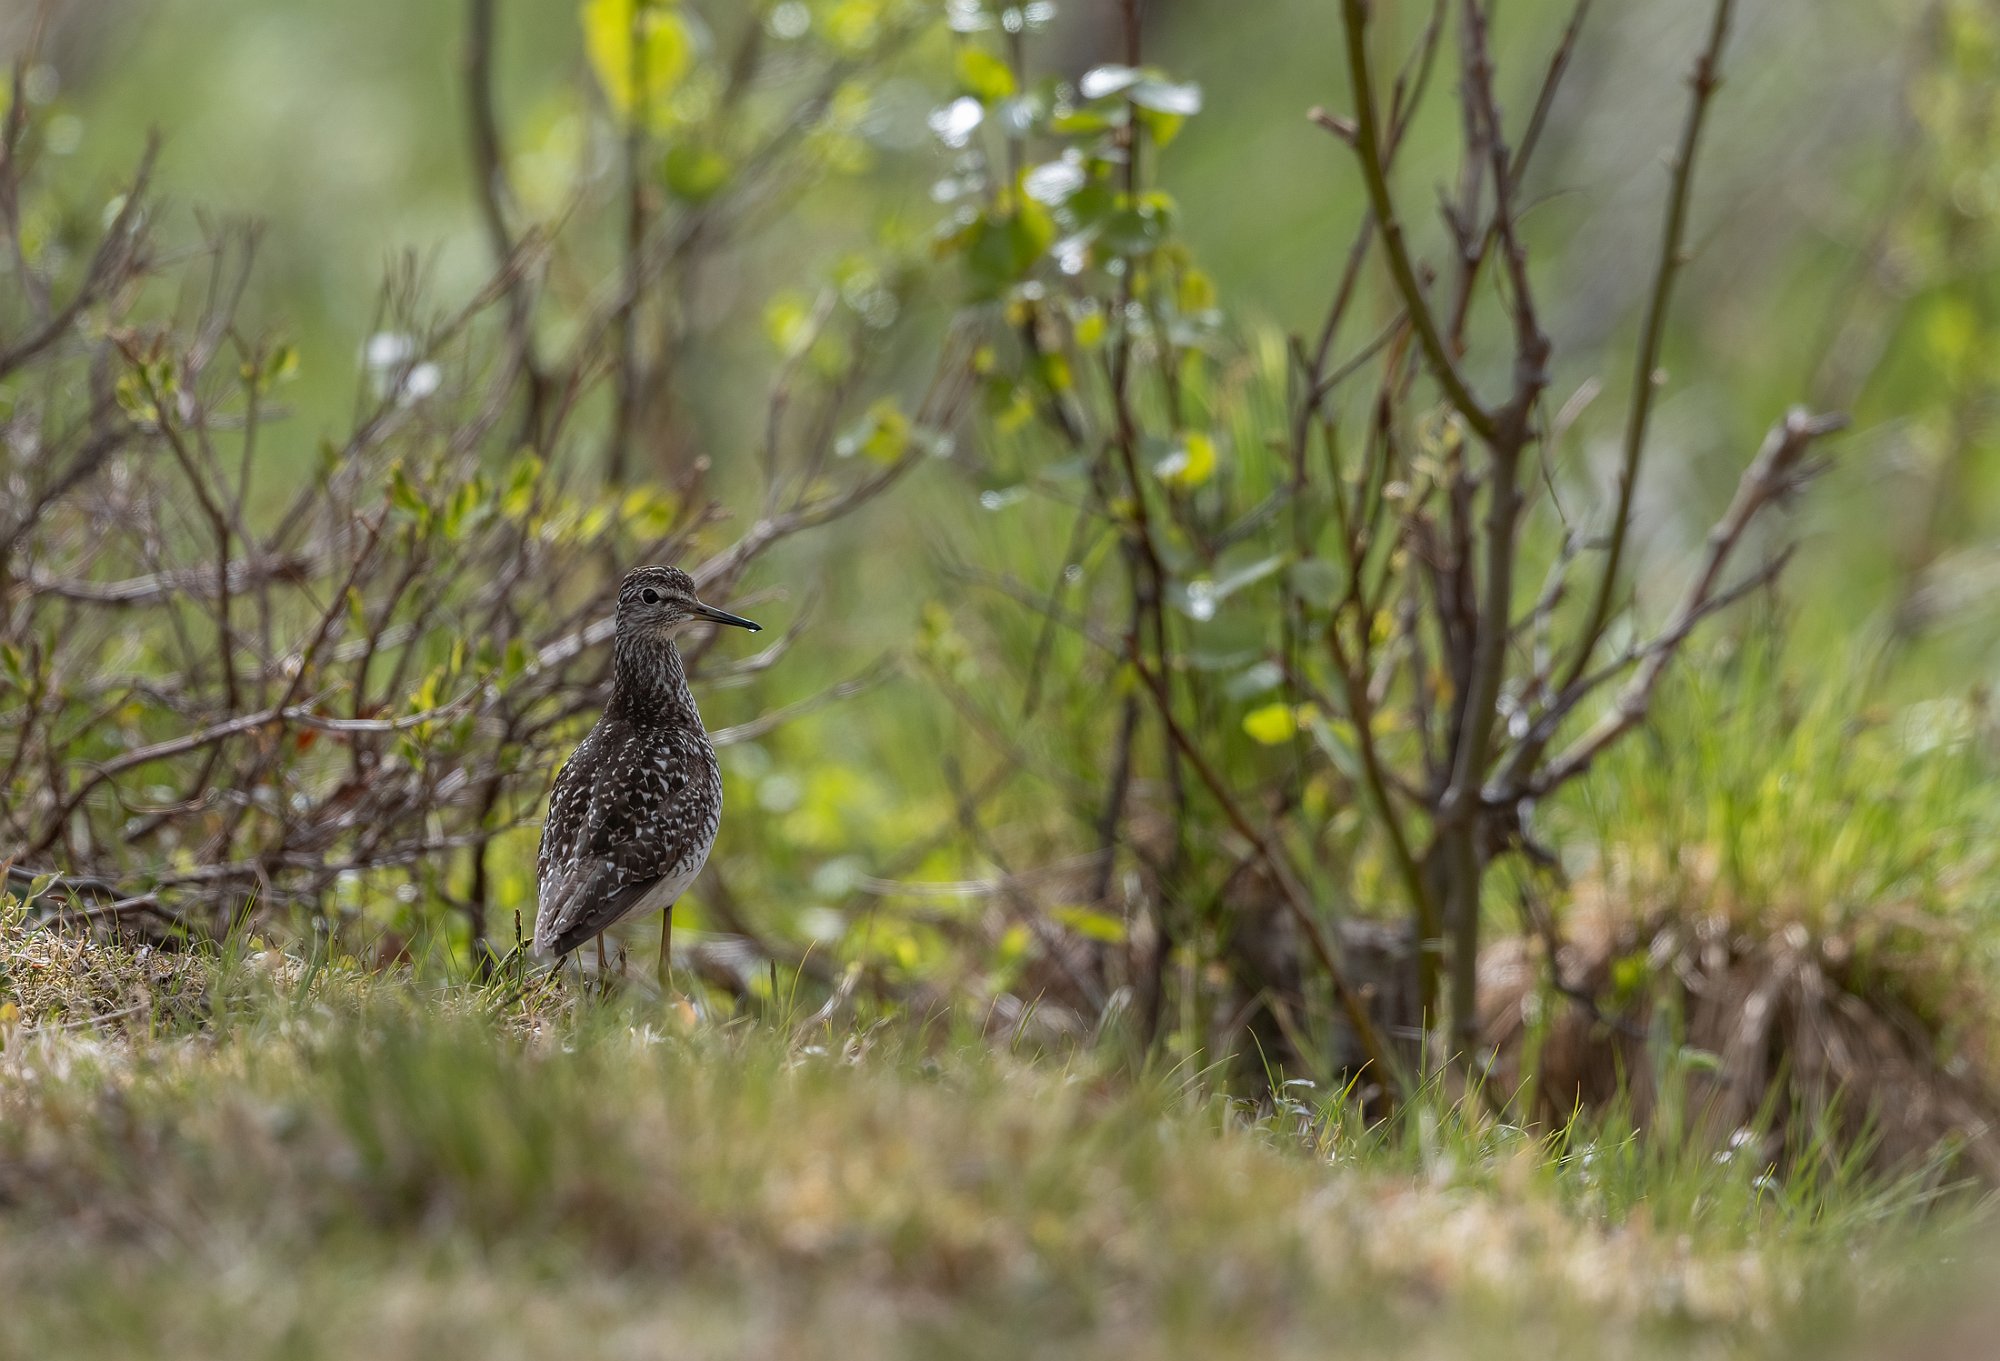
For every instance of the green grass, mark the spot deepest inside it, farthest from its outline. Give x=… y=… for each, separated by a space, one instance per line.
x=1774 y=791
x=318 y=1164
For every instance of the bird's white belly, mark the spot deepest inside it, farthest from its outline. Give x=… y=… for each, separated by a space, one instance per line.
x=665 y=893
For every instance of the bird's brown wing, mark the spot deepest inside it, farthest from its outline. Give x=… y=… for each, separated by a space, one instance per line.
x=590 y=895
x=618 y=826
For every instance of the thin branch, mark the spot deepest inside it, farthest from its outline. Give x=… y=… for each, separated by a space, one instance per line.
x=111 y=265
x=1368 y=147
x=881 y=670
x=1281 y=871
x=489 y=174
x=1778 y=469
x=1545 y=100
x=1646 y=378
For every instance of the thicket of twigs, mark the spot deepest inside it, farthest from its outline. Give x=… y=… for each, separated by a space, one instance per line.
x=237 y=692
x=1347 y=579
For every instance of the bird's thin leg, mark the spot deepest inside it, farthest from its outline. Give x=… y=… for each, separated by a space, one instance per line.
x=666 y=950
x=602 y=976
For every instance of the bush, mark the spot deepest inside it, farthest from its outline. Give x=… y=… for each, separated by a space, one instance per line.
x=237 y=691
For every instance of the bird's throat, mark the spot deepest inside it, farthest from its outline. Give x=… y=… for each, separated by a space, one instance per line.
x=648 y=683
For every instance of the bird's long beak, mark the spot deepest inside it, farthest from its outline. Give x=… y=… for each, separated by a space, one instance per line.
x=725 y=617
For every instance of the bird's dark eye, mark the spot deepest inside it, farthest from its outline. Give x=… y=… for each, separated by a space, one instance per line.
x=650 y=596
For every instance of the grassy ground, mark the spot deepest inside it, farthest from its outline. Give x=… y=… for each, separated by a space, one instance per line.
x=244 y=1160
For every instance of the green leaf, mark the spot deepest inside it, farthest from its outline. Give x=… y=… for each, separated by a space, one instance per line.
x=1338 y=738
x=1316 y=581
x=636 y=75
x=1950 y=330
x=1010 y=407
x=854 y=26
x=1089 y=206
x=1699 y=1060
x=883 y=436
x=130 y=392
x=649 y=511
x=984 y=76
x=1256 y=679
x=1134 y=231
x=1013 y=946
x=405 y=498
x=1053 y=182
x=694 y=173
x=1101 y=82
x=1000 y=248
x=425 y=697
x=1086 y=122
x=281 y=365
x=1629 y=973
x=1247 y=575
x=1196 y=292
x=462 y=510
x=522 y=476
x=1190 y=465
x=1091 y=924
x=788 y=321
x=515 y=660
x=1161 y=127
x=1182 y=100
x=1271 y=725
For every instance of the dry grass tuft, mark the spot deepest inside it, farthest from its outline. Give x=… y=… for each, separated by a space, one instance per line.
x=70 y=980
x=1778 y=1037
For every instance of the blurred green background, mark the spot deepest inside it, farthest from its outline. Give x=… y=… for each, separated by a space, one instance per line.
x=340 y=124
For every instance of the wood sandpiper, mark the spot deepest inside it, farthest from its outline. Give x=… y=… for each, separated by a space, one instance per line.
x=635 y=808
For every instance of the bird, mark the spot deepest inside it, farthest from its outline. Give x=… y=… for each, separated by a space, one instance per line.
x=634 y=810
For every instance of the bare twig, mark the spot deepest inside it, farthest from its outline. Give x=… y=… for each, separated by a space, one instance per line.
x=489 y=170
x=1776 y=472
x=1352 y=1004
x=1646 y=377
x=1368 y=146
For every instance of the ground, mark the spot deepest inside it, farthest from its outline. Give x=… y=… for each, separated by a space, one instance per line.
x=262 y=1158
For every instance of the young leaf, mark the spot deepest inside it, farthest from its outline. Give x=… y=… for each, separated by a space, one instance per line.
x=1166 y=96
x=1100 y=82
x=694 y=173
x=522 y=476
x=1271 y=725
x=636 y=76
x=883 y=436
x=1091 y=924
x=984 y=76
x=1190 y=465
x=1053 y=181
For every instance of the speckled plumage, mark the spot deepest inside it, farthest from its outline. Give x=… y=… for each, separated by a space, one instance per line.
x=635 y=809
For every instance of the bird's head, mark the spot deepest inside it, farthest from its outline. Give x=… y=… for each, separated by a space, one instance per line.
x=660 y=602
